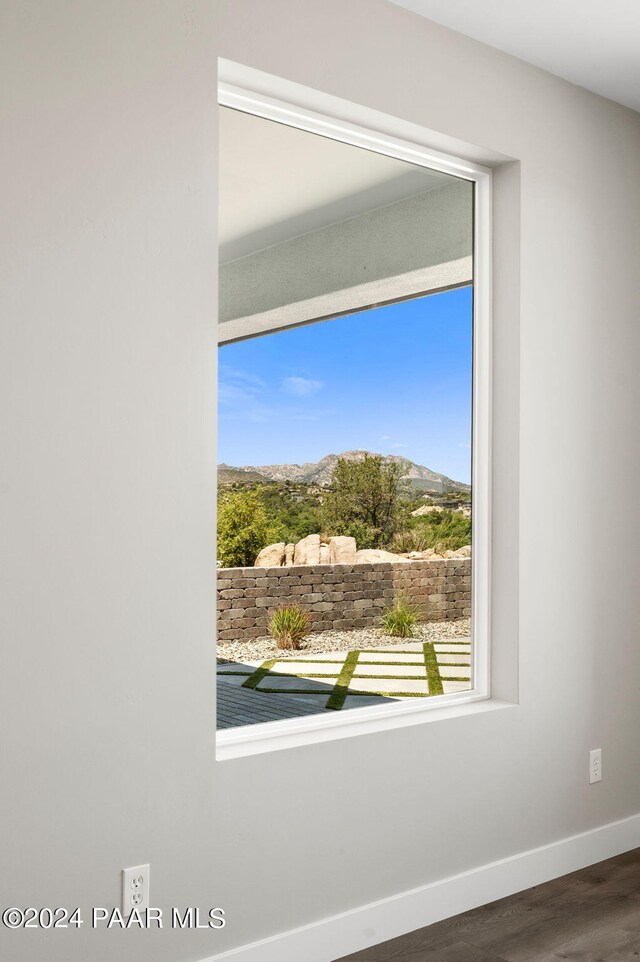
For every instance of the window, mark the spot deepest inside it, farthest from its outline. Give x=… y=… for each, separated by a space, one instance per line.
x=353 y=427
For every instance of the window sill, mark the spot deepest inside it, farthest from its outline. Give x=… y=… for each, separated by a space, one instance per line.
x=292 y=733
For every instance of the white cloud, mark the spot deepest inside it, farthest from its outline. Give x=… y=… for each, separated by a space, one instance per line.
x=233 y=374
x=240 y=394
x=300 y=386
x=397 y=445
x=233 y=393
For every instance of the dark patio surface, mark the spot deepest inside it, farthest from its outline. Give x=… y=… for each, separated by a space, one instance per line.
x=238 y=706
x=242 y=706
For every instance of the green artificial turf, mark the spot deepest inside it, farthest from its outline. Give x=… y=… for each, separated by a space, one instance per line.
x=433 y=672
x=341 y=689
x=260 y=673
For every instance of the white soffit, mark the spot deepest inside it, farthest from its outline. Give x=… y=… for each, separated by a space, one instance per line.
x=592 y=43
x=279 y=182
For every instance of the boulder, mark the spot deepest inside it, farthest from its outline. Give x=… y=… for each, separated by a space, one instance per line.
x=307 y=551
x=427 y=509
x=271 y=557
x=342 y=551
x=373 y=555
x=288 y=554
x=464 y=552
x=325 y=554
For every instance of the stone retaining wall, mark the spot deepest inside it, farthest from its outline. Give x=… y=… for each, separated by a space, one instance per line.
x=339 y=596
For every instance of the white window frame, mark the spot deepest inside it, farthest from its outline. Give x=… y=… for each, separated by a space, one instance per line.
x=274 y=99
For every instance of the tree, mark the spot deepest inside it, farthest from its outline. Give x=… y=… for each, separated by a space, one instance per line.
x=243 y=528
x=364 y=500
x=293 y=513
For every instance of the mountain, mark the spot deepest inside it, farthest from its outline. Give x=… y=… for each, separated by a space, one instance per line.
x=321 y=472
x=228 y=474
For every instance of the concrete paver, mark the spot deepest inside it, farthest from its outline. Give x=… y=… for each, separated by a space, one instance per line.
x=445 y=658
x=307 y=668
x=366 y=701
x=455 y=671
x=459 y=649
x=413 y=659
x=391 y=685
x=293 y=683
x=449 y=687
x=389 y=671
x=400 y=672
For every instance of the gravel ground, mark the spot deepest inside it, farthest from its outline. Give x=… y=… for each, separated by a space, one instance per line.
x=327 y=641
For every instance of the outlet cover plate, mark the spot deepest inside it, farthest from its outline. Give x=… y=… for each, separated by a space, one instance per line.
x=595 y=766
x=135 y=888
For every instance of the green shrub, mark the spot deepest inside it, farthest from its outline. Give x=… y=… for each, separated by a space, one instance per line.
x=288 y=625
x=293 y=512
x=442 y=530
x=400 y=618
x=243 y=528
x=365 y=536
x=410 y=539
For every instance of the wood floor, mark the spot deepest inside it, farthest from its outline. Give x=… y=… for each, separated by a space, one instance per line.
x=589 y=916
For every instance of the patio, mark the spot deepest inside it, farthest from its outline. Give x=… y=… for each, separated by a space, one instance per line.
x=274 y=689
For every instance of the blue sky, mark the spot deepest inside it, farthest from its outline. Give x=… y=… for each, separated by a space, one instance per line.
x=395 y=379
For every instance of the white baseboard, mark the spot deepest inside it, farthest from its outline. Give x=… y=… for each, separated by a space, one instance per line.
x=388 y=918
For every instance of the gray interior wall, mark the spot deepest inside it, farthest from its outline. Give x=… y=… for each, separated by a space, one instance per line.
x=107 y=385
x=430 y=228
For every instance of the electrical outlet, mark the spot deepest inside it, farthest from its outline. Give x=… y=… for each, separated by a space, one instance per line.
x=135 y=888
x=595 y=766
